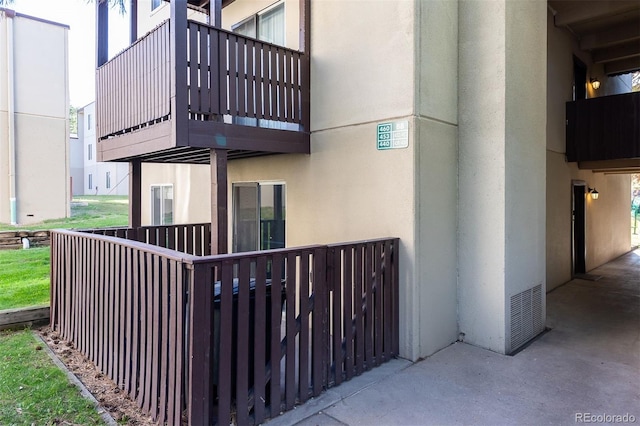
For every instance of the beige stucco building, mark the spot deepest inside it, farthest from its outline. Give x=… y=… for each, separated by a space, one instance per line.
x=34 y=119
x=477 y=187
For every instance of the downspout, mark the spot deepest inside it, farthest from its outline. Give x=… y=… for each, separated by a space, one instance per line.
x=13 y=202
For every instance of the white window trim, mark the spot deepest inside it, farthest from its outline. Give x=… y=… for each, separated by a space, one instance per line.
x=262 y=12
x=151 y=211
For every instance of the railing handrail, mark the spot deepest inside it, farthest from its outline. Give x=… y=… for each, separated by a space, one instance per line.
x=368 y=241
x=245 y=254
x=191 y=259
x=117 y=228
x=245 y=37
x=147 y=248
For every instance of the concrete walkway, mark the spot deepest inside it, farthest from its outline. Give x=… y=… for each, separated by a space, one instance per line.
x=587 y=367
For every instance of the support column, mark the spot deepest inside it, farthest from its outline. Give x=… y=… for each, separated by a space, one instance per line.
x=135 y=194
x=502 y=166
x=102 y=32
x=178 y=53
x=305 y=46
x=215 y=13
x=219 y=209
x=133 y=21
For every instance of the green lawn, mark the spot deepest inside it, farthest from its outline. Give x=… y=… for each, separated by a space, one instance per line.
x=33 y=391
x=24 y=277
x=87 y=211
x=24 y=274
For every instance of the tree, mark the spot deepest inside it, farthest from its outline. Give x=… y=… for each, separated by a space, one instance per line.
x=73 y=120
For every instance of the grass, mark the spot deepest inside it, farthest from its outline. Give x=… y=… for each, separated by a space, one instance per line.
x=24 y=278
x=24 y=274
x=87 y=211
x=33 y=390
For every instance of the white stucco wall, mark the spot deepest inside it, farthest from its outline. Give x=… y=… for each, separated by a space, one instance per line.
x=331 y=197
x=501 y=163
x=191 y=191
x=434 y=299
x=41 y=118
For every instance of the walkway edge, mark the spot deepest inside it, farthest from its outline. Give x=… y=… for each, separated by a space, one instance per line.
x=336 y=394
x=74 y=379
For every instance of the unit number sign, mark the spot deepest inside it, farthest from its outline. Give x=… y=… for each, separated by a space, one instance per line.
x=393 y=135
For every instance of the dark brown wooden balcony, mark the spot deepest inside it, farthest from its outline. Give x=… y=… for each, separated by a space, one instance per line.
x=604 y=129
x=172 y=98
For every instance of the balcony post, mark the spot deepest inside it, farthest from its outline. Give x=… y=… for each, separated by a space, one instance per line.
x=305 y=27
x=305 y=46
x=133 y=21
x=135 y=194
x=218 y=159
x=102 y=32
x=215 y=13
x=178 y=53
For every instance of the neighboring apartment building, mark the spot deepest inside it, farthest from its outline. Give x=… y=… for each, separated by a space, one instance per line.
x=34 y=119
x=76 y=165
x=439 y=122
x=98 y=178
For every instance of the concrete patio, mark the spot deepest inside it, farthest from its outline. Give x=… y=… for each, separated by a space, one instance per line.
x=586 y=368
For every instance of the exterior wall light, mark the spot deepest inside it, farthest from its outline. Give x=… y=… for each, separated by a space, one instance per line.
x=594 y=193
x=595 y=83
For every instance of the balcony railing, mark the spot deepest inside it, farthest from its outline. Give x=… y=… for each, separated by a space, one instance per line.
x=603 y=128
x=133 y=89
x=238 y=337
x=229 y=78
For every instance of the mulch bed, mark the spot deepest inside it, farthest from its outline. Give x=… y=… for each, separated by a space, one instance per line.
x=110 y=397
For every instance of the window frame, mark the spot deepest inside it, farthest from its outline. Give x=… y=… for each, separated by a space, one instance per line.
x=260 y=219
x=255 y=18
x=162 y=215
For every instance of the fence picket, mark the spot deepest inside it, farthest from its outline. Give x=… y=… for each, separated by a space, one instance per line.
x=125 y=302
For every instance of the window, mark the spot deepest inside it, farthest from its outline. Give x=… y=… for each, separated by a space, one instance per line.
x=90 y=180
x=155 y=4
x=90 y=152
x=161 y=204
x=258 y=216
x=88 y=121
x=107 y=179
x=267 y=25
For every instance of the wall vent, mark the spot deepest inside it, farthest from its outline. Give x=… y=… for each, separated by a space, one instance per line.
x=526 y=317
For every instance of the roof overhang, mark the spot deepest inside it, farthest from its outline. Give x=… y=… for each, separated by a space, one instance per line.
x=608 y=29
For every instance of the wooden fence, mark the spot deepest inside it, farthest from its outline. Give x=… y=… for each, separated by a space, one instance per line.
x=229 y=338
x=190 y=238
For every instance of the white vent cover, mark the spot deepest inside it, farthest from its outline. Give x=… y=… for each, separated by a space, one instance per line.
x=526 y=317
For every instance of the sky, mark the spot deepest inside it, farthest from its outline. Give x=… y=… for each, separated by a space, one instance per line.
x=79 y=15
